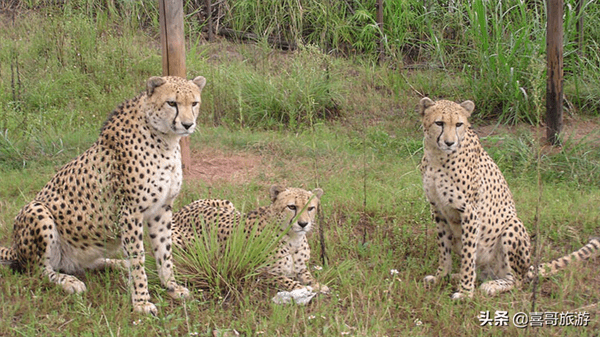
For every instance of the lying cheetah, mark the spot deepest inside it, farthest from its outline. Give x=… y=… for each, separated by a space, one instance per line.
x=98 y=203
x=293 y=207
x=473 y=208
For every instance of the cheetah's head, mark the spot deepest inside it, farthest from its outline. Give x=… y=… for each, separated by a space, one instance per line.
x=174 y=103
x=445 y=123
x=296 y=207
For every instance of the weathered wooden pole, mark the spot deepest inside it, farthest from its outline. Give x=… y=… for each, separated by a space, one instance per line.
x=209 y=19
x=172 y=40
x=554 y=89
x=579 y=26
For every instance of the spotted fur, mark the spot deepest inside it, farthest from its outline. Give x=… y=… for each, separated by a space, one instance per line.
x=473 y=207
x=292 y=208
x=97 y=204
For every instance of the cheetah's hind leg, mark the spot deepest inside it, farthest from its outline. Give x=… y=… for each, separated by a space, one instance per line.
x=498 y=286
x=7 y=256
x=502 y=274
x=513 y=259
x=46 y=247
x=116 y=264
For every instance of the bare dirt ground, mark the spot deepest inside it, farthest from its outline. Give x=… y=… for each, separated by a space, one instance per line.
x=213 y=166
x=574 y=129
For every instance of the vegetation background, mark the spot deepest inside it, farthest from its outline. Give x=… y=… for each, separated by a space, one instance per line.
x=334 y=110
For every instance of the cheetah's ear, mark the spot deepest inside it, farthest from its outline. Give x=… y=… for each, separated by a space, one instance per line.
x=275 y=190
x=317 y=192
x=153 y=83
x=200 y=81
x=469 y=106
x=425 y=103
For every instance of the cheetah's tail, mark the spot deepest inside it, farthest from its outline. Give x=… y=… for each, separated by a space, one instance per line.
x=7 y=256
x=590 y=250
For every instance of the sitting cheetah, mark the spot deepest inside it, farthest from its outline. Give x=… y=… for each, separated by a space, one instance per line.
x=293 y=207
x=97 y=203
x=473 y=208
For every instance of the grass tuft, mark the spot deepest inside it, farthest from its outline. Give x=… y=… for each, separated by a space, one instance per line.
x=225 y=268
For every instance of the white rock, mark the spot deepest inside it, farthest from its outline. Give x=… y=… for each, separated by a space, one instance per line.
x=298 y=296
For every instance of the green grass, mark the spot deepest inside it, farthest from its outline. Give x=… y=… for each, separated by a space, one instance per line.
x=363 y=245
x=276 y=107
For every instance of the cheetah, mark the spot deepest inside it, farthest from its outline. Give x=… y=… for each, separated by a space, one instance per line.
x=98 y=203
x=292 y=208
x=473 y=207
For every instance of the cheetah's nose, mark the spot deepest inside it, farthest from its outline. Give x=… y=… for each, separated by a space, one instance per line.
x=302 y=224
x=187 y=126
x=449 y=143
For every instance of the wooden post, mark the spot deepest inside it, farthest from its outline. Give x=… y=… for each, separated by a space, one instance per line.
x=210 y=21
x=579 y=27
x=172 y=40
x=554 y=90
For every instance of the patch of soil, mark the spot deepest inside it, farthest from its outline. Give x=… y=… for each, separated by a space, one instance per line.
x=574 y=128
x=211 y=166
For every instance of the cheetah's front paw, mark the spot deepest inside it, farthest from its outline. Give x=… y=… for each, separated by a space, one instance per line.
x=73 y=285
x=145 y=307
x=321 y=288
x=429 y=281
x=459 y=295
x=117 y=263
x=489 y=288
x=178 y=292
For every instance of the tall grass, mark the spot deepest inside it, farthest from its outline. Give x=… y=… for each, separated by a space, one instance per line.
x=62 y=70
x=492 y=45
x=269 y=90
x=504 y=51
x=492 y=48
x=281 y=19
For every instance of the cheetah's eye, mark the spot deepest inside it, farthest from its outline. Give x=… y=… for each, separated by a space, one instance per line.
x=311 y=208
x=439 y=123
x=194 y=104
x=458 y=125
x=172 y=103
x=292 y=207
